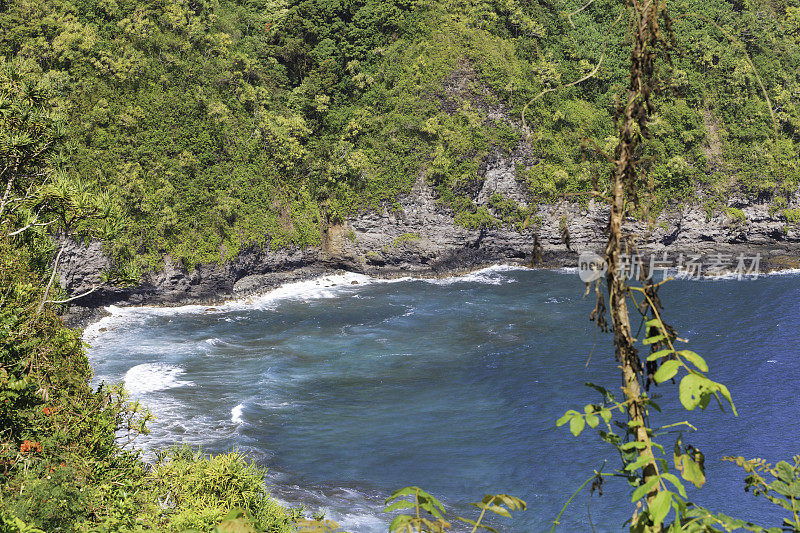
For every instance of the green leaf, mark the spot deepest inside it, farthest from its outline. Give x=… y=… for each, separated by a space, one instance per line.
x=600 y=389
x=727 y=395
x=634 y=444
x=794 y=488
x=659 y=354
x=433 y=500
x=693 y=473
x=592 y=420
x=402 y=504
x=426 y=505
x=666 y=371
x=651 y=340
x=512 y=502
x=405 y=491
x=639 y=463
x=609 y=437
x=606 y=415
x=659 y=507
x=399 y=523
x=653 y=323
x=785 y=471
x=672 y=478
x=690 y=469
x=780 y=487
x=502 y=511
x=642 y=490
x=694 y=390
x=566 y=418
x=576 y=425
x=695 y=359
x=653 y=404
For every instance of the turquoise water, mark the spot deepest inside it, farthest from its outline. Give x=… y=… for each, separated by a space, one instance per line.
x=347 y=391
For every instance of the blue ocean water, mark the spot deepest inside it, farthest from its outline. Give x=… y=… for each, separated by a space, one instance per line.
x=347 y=388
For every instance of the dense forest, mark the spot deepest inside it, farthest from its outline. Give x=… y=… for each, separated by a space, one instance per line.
x=198 y=127
x=212 y=125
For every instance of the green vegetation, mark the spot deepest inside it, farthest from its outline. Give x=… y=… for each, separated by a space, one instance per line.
x=735 y=214
x=196 y=127
x=200 y=491
x=65 y=462
x=423 y=505
x=405 y=238
x=218 y=124
x=792 y=216
x=660 y=497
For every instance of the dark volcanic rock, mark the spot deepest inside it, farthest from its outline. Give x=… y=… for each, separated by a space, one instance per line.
x=420 y=237
x=82 y=266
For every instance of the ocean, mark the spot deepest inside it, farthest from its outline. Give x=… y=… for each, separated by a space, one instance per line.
x=348 y=387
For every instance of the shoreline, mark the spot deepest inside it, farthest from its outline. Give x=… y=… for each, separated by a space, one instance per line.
x=346 y=278
x=342 y=282
x=421 y=238
x=85 y=317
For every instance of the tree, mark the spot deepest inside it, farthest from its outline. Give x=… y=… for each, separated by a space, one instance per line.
x=39 y=199
x=643 y=465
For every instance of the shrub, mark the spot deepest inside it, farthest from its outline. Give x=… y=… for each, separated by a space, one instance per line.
x=199 y=490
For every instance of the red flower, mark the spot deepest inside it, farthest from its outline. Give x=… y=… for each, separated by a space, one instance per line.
x=30 y=446
x=47 y=411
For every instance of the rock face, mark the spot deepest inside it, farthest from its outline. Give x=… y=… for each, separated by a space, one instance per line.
x=421 y=237
x=81 y=268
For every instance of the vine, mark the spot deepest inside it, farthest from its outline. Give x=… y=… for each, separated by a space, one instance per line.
x=656 y=490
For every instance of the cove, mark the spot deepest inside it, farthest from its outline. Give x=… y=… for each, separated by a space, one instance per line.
x=347 y=391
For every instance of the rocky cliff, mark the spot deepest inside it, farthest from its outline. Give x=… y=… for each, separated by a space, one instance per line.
x=421 y=237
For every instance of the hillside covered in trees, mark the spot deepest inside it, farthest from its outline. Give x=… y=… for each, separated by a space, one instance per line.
x=213 y=125
x=196 y=128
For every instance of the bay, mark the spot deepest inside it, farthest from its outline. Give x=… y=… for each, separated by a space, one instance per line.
x=348 y=387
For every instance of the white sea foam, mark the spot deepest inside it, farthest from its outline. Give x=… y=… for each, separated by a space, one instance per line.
x=732 y=276
x=177 y=421
x=152 y=377
x=236 y=414
x=352 y=509
x=492 y=275
x=327 y=286
x=276 y=405
x=567 y=270
x=787 y=272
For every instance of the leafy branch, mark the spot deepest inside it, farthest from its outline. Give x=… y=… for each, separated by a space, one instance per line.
x=423 y=503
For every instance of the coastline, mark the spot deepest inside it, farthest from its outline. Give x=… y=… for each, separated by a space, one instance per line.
x=419 y=237
x=295 y=284
x=89 y=317
x=293 y=490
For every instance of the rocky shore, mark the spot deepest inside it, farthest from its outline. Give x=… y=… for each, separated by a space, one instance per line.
x=421 y=238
